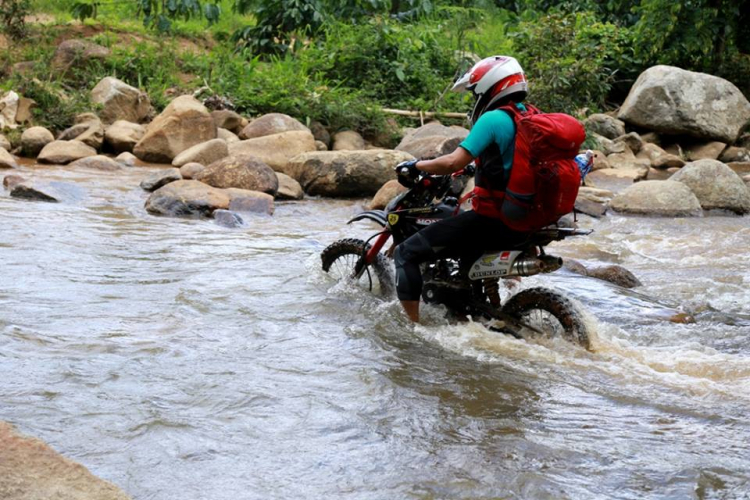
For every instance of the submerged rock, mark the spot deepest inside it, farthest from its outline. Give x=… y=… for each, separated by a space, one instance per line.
x=26 y=191
x=10 y=181
x=662 y=198
x=31 y=470
x=98 y=162
x=187 y=199
x=227 y=218
x=161 y=178
x=615 y=274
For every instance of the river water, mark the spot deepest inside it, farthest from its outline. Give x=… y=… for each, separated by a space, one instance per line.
x=181 y=359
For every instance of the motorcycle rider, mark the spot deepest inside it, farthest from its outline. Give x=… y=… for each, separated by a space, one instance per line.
x=495 y=81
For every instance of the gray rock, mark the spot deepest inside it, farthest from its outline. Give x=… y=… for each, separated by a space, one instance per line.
x=27 y=191
x=64 y=152
x=98 y=162
x=122 y=136
x=190 y=170
x=345 y=173
x=673 y=101
x=289 y=189
x=605 y=125
x=34 y=139
x=705 y=151
x=715 y=185
x=247 y=201
x=120 y=101
x=187 y=199
x=615 y=274
x=127 y=159
x=270 y=124
x=228 y=120
x=662 y=198
x=204 y=153
x=160 y=179
x=243 y=172
x=7 y=160
x=227 y=218
x=348 y=140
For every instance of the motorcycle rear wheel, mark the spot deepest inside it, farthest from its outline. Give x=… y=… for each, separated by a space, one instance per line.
x=340 y=259
x=544 y=311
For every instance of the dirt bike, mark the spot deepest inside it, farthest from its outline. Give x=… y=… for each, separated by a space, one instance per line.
x=465 y=290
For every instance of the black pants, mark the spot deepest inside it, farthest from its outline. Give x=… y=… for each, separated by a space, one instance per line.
x=468 y=236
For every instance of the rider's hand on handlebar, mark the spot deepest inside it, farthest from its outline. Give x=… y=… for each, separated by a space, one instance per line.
x=408 y=169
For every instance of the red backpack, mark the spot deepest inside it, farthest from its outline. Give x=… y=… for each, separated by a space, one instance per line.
x=544 y=179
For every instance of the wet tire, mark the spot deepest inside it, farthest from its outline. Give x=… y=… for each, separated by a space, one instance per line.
x=549 y=312
x=340 y=259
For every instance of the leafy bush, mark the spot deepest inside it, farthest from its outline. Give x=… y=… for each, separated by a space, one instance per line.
x=12 y=16
x=57 y=106
x=571 y=59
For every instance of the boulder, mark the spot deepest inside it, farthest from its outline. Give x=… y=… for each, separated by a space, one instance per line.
x=275 y=150
x=77 y=52
x=127 y=159
x=187 y=199
x=227 y=218
x=674 y=101
x=228 y=120
x=24 y=113
x=34 y=139
x=668 y=161
x=8 y=110
x=345 y=173
x=604 y=125
x=658 y=157
x=10 y=181
x=595 y=194
x=183 y=124
x=740 y=167
x=320 y=146
x=626 y=165
x=731 y=154
x=122 y=136
x=120 y=101
x=241 y=171
x=650 y=152
x=7 y=160
x=632 y=140
x=88 y=130
x=5 y=143
x=431 y=129
x=190 y=170
x=600 y=161
x=705 y=151
x=160 y=178
x=431 y=147
x=348 y=140
x=615 y=274
x=651 y=137
x=271 y=124
x=32 y=470
x=289 y=189
x=591 y=208
x=247 y=201
x=228 y=136
x=608 y=146
x=204 y=153
x=27 y=191
x=99 y=162
x=385 y=194
x=715 y=185
x=320 y=132
x=658 y=174
x=64 y=152
x=663 y=198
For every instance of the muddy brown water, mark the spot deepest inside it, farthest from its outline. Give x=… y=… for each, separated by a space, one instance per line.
x=180 y=359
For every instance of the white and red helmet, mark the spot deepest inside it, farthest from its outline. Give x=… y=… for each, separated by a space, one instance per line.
x=492 y=79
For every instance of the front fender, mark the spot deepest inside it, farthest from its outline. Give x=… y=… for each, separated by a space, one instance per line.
x=377 y=216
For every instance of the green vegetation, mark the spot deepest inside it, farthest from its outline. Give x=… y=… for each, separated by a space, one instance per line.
x=341 y=61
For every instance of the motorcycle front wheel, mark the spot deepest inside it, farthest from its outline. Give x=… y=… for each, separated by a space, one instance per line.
x=541 y=311
x=342 y=258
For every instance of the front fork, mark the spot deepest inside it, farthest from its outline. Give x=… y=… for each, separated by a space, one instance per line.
x=372 y=253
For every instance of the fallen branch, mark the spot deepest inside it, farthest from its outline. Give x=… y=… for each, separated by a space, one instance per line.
x=422 y=114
